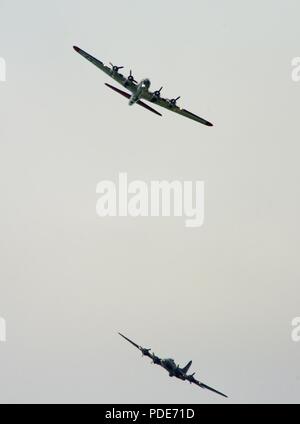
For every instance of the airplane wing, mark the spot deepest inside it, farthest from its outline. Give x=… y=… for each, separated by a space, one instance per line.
x=145 y=352
x=131 y=86
x=204 y=386
x=160 y=101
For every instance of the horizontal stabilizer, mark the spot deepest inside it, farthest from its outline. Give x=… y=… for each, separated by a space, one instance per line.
x=123 y=93
x=127 y=95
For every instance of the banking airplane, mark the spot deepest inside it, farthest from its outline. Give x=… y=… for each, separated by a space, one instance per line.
x=170 y=366
x=139 y=91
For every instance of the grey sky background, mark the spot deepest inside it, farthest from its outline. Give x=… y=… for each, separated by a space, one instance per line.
x=223 y=295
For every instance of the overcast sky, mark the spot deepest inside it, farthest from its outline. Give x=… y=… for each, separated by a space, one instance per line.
x=223 y=294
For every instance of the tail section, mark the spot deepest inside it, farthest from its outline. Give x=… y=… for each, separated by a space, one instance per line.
x=128 y=96
x=187 y=367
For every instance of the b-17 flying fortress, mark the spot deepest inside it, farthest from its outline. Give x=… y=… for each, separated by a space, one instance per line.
x=136 y=94
x=140 y=91
x=172 y=368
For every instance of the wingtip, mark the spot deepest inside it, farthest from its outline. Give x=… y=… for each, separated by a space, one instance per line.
x=221 y=394
x=77 y=49
x=122 y=335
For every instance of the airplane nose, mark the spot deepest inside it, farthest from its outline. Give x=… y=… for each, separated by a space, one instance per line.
x=146 y=83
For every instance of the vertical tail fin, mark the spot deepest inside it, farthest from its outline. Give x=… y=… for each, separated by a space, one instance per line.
x=187 y=367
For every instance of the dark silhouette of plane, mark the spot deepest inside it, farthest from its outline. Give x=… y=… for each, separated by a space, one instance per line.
x=172 y=368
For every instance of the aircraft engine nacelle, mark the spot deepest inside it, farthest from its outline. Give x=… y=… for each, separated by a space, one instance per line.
x=173 y=102
x=130 y=79
x=156 y=94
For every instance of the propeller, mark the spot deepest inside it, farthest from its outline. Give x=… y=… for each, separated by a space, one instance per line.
x=131 y=77
x=157 y=92
x=173 y=101
x=115 y=68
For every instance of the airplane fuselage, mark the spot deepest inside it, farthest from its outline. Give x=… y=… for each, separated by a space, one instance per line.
x=141 y=88
x=174 y=370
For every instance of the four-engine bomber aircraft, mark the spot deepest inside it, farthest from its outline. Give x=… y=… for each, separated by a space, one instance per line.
x=173 y=369
x=139 y=91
